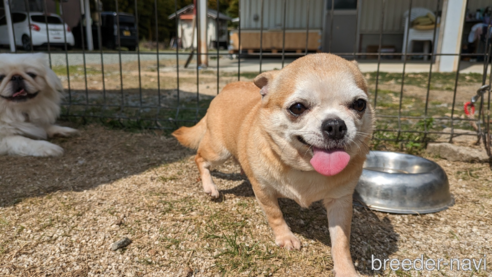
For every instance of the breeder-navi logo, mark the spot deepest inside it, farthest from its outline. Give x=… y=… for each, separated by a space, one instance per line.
x=430 y=264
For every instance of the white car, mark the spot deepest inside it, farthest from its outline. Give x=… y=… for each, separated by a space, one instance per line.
x=41 y=25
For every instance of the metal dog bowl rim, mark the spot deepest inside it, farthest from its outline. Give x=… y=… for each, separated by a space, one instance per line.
x=359 y=203
x=358 y=200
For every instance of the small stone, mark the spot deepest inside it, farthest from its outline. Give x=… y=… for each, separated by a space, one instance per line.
x=119 y=221
x=188 y=271
x=460 y=136
x=121 y=243
x=453 y=152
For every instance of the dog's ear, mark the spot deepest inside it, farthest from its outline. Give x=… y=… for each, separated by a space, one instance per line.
x=53 y=80
x=263 y=80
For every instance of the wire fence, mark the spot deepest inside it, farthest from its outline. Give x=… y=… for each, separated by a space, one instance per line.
x=153 y=89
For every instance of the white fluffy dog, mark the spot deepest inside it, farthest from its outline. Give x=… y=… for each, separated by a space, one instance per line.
x=30 y=94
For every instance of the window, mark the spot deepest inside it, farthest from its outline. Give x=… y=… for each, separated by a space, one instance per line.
x=18 y=17
x=342 y=4
x=126 y=19
x=3 y=21
x=48 y=18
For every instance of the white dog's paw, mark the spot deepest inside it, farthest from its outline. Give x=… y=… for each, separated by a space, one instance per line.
x=22 y=146
x=46 y=149
x=55 y=130
x=288 y=241
x=210 y=188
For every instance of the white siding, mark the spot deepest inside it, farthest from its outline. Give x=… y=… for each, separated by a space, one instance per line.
x=186 y=30
x=296 y=14
x=371 y=14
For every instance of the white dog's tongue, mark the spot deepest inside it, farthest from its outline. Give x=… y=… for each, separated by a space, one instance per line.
x=329 y=162
x=19 y=93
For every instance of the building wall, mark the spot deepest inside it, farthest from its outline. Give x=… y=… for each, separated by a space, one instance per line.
x=371 y=13
x=186 y=32
x=296 y=14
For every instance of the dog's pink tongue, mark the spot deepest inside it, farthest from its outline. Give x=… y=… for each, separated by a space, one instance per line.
x=20 y=92
x=329 y=162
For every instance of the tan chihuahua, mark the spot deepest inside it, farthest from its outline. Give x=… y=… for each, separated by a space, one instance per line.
x=300 y=133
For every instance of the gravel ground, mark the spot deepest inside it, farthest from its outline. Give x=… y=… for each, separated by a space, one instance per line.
x=60 y=217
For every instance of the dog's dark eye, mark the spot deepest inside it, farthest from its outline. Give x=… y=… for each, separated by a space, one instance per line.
x=297 y=109
x=359 y=105
x=1 y=77
x=32 y=75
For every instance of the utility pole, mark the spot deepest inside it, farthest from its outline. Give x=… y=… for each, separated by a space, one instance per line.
x=202 y=33
x=6 y=4
x=88 y=25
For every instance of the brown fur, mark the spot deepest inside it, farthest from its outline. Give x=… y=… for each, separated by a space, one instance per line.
x=238 y=124
x=191 y=136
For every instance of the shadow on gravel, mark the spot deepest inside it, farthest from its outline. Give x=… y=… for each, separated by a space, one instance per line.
x=98 y=156
x=371 y=234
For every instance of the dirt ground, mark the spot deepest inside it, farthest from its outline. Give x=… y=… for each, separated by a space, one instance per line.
x=60 y=216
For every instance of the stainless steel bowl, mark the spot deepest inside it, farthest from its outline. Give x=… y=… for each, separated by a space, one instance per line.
x=402 y=183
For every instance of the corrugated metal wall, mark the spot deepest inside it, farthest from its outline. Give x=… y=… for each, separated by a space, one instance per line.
x=393 y=17
x=273 y=12
x=370 y=14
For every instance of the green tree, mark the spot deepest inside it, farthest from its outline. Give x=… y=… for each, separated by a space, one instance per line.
x=166 y=28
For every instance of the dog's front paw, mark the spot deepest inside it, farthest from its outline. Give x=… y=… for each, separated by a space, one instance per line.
x=288 y=241
x=46 y=149
x=210 y=188
x=55 y=130
x=213 y=192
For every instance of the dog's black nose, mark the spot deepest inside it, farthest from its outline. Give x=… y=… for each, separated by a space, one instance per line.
x=17 y=78
x=334 y=128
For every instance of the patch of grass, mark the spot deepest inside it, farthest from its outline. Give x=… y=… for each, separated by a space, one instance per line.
x=240 y=256
x=61 y=70
x=468 y=174
x=169 y=242
x=454 y=235
x=247 y=75
x=412 y=142
x=20 y=229
x=442 y=81
x=134 y=120
x=167 y=207
x=401 y=273
x=3 y=250
x=3 y=222
x=167 y=179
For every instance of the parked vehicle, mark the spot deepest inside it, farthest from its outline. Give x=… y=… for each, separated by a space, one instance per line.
x=109 y=32
x=44 y=28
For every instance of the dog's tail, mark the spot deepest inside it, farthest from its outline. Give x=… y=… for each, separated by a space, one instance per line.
x=191 y=136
